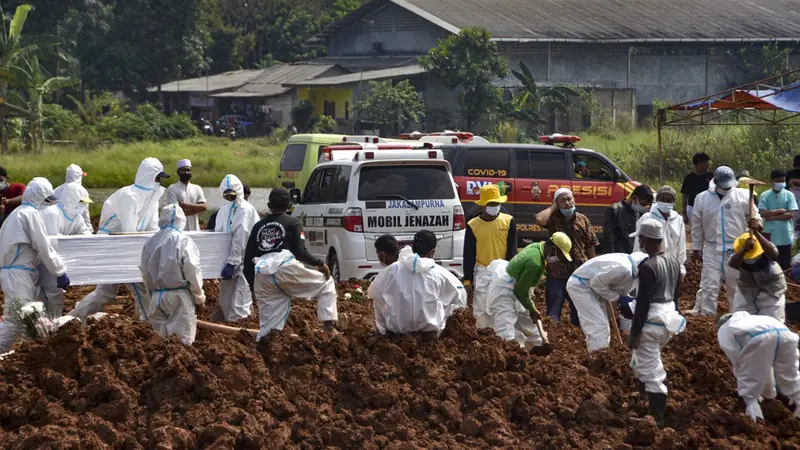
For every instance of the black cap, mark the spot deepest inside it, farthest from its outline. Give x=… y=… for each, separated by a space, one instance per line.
x=162 y=175
x=279 y=198
x=3 y=172
x=424 y=242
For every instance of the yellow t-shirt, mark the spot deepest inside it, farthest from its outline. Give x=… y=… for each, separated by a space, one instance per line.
x=491 y=238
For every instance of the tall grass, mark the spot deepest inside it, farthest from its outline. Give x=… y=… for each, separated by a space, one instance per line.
x=252 y=160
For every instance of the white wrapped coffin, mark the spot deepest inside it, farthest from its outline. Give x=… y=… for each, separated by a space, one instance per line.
x=109 y=259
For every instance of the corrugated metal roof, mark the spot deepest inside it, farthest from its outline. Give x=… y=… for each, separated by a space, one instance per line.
x=606 y=20
x=212 y=83
x=270 y=82
x=350 y=78
x=362 y=63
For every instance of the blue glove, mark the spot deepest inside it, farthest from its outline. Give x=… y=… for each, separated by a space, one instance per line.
x=625 y=307
x=795 y=273
x=227 y=272
x=62 y=281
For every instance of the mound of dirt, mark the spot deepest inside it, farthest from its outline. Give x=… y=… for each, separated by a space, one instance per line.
x=115 y=383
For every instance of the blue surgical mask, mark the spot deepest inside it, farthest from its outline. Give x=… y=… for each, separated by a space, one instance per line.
x=568 y=212
x=639 y=208
x=778 y=186
x=665 y=208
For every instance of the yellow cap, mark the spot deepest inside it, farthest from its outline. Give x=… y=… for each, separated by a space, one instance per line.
x=563 y=243
x=754 y=252
x=490 y=193
x=86 y=200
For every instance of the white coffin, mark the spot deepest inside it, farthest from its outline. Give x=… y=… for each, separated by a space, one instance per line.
x=105 y=259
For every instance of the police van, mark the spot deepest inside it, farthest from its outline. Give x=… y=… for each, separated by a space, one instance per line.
x=362 y=191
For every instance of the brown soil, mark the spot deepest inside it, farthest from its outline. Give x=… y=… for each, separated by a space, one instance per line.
x=116 y=384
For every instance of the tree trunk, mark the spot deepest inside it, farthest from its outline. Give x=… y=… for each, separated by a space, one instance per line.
x=3 y=125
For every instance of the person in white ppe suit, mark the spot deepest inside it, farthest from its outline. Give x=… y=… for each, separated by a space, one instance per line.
x=414 y=294
x=24 y=244
x=605 y=278
x=719 y=216
x=64 y=218
x=512 y=312
x=236 y=216
x=655 y=318
x=663 y=210
x=762 y=284
x=74 y=176
x=758 y=346
x=275 y=263
x=130 y=209
x=170 y=269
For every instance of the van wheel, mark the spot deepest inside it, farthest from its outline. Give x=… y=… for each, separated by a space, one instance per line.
x=333 y=264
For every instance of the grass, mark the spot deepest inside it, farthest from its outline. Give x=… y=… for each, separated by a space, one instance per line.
x=252 y=160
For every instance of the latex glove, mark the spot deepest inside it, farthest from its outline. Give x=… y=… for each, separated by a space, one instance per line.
x=625 y=307
x=227 y=272
x=200 y=300
x=62 y=281
x=754 y=410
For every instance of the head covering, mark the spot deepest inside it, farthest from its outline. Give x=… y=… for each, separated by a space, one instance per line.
x=74 y=174
x=3 y=172
x=667 y=190
x=232 y=183
x=649 y=228
x=559 y=193
x=184 y=163
x=580 y=163
x=754 y=252
x=424 y=242
x=744 y=173
x=172 y=217
x=491 y=193
x=563 y=243
x=37 y=191
x=280 y=198
x=149 y=169
x=723 y=319
x=724 y=178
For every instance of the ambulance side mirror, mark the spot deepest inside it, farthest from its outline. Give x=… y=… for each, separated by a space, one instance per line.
x=617 y=175
x=294 y=194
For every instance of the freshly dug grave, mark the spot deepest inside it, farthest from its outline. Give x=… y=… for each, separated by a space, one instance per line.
x=115 y=383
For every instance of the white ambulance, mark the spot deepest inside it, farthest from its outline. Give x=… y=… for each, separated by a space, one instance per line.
x=362 y=191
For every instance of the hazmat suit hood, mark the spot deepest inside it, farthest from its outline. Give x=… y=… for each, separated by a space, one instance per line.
x=70 y=200
x=147 y=173
x=74 y=174
x=172 y=217
x=637 y=258
x=232 y=182
x=413 y=262
x=36 y=191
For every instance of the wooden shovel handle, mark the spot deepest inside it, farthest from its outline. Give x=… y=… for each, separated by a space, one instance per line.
x=752 y=206
x=613 y=320
x=203 y=325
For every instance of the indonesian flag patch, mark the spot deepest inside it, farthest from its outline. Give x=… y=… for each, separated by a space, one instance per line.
x=302 y=235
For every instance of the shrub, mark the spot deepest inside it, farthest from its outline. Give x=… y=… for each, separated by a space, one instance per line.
x=147 y=123
x=301 y=114
x=60 y=123
x=325 y=124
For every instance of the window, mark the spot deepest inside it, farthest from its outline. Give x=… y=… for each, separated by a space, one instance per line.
x=312 y=192
x=487 y=162
x=338 y=190
x=293 y=158
x=541 y=165
x=588 y=167
x=329 y=109
x=413 y=182
x=449 y=154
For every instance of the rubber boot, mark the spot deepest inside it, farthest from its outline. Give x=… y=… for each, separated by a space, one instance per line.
x=657 y=407
x=796 y=402
x=641 y=388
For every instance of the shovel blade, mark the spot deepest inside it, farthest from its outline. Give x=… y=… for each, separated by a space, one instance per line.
x=542 y=350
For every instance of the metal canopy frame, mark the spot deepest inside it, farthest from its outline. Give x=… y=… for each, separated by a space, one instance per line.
x=741 y=105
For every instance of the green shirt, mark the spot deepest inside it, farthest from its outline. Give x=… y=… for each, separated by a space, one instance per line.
x=526 y=269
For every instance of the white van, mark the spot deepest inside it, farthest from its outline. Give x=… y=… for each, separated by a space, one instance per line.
x=361 y=194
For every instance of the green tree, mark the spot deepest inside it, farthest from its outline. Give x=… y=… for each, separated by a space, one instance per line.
x=468 y=62
x=390 y=104
x=529 y=102
x=301 y=114
x=12 y=51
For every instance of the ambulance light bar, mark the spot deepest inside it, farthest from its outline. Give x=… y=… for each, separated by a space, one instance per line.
x=364 y=139
x=327 y=151
x=556 y=138
x=460 y=135
x=370 y=155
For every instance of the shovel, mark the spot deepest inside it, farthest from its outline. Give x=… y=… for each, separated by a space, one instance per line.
x=203 y=325
x=544 y=349
x=613 y=320
x=751 y=183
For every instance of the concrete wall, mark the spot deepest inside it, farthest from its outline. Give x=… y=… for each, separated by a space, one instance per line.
x=399 y=31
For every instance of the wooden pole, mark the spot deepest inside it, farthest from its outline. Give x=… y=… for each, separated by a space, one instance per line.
x=613 y=320
x=203 y=325
x=752 y=206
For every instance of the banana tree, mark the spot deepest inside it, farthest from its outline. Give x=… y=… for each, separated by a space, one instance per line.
x=36 y=84
x=531 y=100
x=11 y=49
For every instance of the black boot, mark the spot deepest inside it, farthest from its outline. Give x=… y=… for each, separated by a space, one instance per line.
x=641 y=388
x=657 y=407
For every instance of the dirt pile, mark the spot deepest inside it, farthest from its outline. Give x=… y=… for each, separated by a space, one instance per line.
x=116 y=383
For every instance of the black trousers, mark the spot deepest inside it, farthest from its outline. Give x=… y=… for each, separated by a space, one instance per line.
x=784 y=256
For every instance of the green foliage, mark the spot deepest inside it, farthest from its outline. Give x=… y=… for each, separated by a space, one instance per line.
x=324 y=124
x=468 y=62
x=59 y=123
x=301 y=114
x=390 y=104
x=147 y=123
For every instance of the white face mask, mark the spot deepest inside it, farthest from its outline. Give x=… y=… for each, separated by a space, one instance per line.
x=665 y=208
x=493 y=210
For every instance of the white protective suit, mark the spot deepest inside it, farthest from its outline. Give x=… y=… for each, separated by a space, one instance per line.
x=600 y=280
x=237 y=217
x=24 y=244
x=278 y=278
x=74 y=175
x=132 y=208
x=756 y=345
x=480 y=308
x=663 y=322
x=414 y=294
x=64 y=218
x=716 y=223
x=674 y=234
x=170 y=269
x=509 y=318
x=765 y=298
